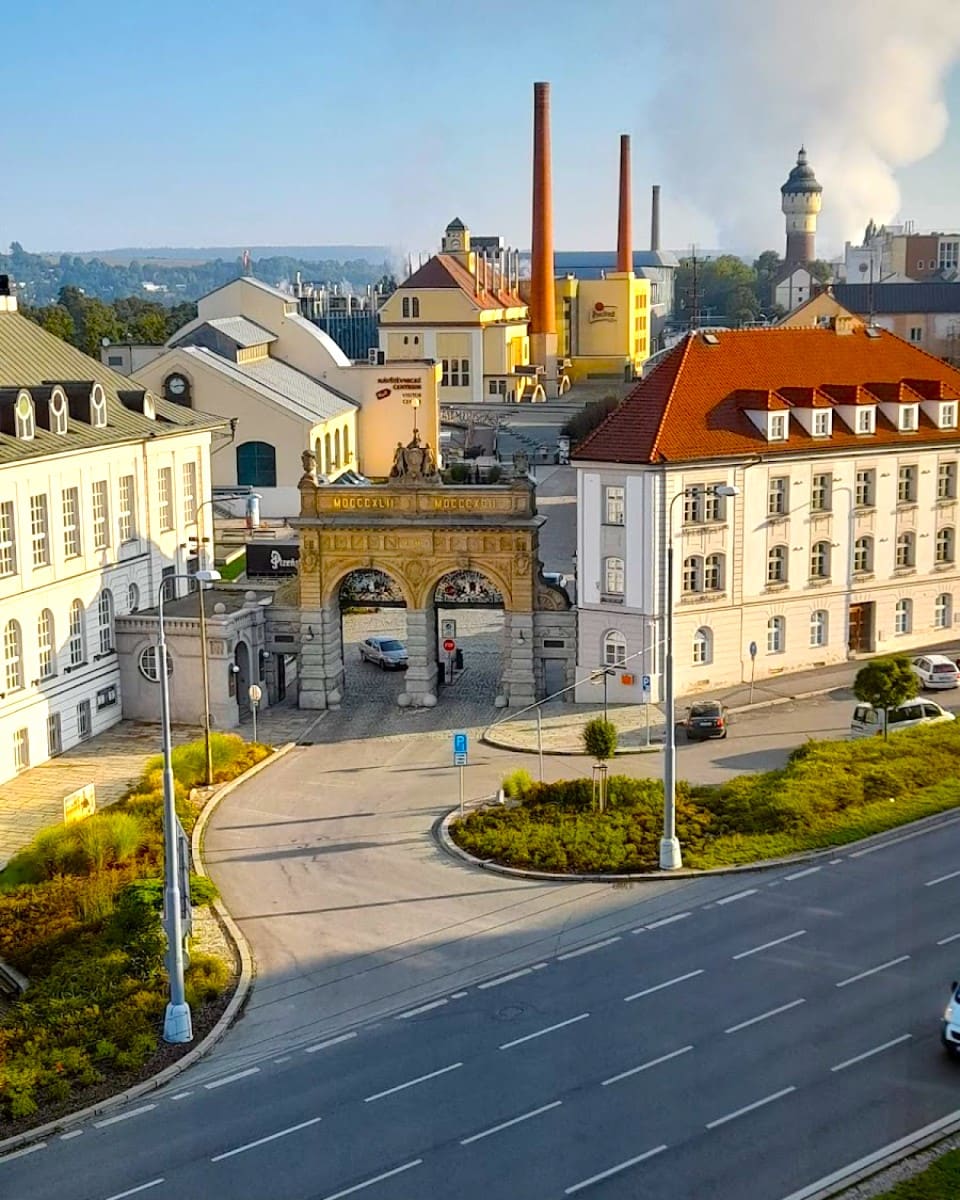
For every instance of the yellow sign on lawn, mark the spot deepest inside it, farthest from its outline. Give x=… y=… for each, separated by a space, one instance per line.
x=79 y=804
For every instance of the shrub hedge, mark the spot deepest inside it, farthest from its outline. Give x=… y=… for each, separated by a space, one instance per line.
x=80 y=917
x=827 y=794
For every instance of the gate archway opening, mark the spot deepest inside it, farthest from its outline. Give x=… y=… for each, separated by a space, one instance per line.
x=468 y=610
x=373 y=636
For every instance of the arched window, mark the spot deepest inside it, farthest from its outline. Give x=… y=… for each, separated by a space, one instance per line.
x=702 y=647
x=820 y=560
x=12 y=656
x=327 y=454
x=614 y=649
x=613 y=576
x=336 y=447
x=906 y=550
x=98 y=407
x=46 y=645
x=946 y=545
x=776 y=635
x=76 y=636
x=256 y=464
x=692 y=574
x=713 y=580
x=58 y=412
x=133 y=598
x=818 y=628
x=903 y=617
x=25 y=420
x=777 y=565
x=863 y=555
x=105 y=620
x=346 y=446
x=943 y=611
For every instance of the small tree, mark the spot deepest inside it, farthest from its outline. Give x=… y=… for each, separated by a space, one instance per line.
x=885 y=683
x=600 y=740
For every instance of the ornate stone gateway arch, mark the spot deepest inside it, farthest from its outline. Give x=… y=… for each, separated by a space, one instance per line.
x=480 y=543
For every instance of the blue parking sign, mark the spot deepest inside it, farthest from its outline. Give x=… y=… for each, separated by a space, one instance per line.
x=459 y=743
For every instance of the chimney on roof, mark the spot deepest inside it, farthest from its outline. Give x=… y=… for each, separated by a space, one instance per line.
x=655 y=218
x=625 y=213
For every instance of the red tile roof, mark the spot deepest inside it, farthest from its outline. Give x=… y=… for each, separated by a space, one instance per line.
x=691 y=406
x=446 y=271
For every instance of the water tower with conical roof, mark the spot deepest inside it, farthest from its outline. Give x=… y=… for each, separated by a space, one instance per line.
x=802 y=197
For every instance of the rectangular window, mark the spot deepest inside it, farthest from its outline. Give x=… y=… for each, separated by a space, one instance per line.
x=190 y=493
x=83 y=720
x=405 y=306
x=821 y=424
x=777 y=496
x=614 y=576
x=45 y=644
x=21 y=749
x=713 y=509
x=454 y=372
x=54 y=735
x=39 y=531
x=908 y=418
x=71 y=522
x=614 y=505
x=464 y=372
x=820 y=493
x=865 y=420
x=907 y=485
x=126 y=517
x=948 y=415
x=445 y=377
x=865 y=493
x=947 y=481
x=101 y=515
x=778 y=427
x=166 y=498
x=8 y=539
x=916 y=334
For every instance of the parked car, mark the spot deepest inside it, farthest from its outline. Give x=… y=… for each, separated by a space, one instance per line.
x=385 y=652
x=868 y=720
x=950 y=1024
x=936 y=671
x=705 y=719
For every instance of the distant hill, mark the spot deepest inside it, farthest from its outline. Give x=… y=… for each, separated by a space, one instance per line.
x=124 y=255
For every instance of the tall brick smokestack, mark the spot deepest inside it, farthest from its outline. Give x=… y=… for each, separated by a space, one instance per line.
x=542 y=296
x=655 y=218
x=625 y=213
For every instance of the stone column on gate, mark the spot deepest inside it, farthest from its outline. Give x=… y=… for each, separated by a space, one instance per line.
x=517 y=686
x=420 y=682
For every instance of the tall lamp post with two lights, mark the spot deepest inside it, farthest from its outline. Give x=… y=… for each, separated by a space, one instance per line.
x=670 y=857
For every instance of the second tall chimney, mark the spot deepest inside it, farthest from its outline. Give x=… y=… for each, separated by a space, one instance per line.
x=655 y=218
x=542 y=294
x=625 y=212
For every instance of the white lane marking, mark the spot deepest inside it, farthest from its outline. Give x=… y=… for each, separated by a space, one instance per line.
x=334 y=1041
x=588 y=949
x=874 y=970
x=272 y=1137
x=506 y=1124
x=540 y=1032
x=801 y=874
x=133 y=1191
x=835 y=862
x=64 y=1137
x=766 y=945
x=539 y=967
x=654 y=1062
x=504 y=979
x=415 y=1012
x=763 y=1016
x=870 y=1053
x=750 y=1107
x=134 y=1112
x=822 y=1187
x=904 y=837
x=283 y=1059
x=738 y=896
x=232 y=1078
x=181 y=1095
x=952 y=938
x=457 y=995
x=659 y=986
x=631 y=1162
x=941 y=879
x=664 y=921
x=357 y=1187
x=412 y=1082
x=22 y=1153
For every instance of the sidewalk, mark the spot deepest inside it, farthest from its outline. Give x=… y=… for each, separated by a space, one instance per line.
x=112 y=761
x=562 y=724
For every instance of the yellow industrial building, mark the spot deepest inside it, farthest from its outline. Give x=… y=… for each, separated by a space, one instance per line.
x=603 y=325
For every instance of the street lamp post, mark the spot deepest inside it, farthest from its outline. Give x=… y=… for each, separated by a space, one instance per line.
x=177 y=1023
x=670 y=857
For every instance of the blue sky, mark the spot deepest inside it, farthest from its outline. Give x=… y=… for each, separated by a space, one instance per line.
x=376 y=121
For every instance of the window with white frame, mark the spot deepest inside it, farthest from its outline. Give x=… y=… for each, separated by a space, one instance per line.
x=54 y=735
x=127 y=514
x=777 y=496
x=133 y=598
x=820 y=560
x=820 y=492
x=25 y=420
x=165 y=505
x=713 y=503
x=83 y=720
x=693 y=574
x=776 y=635
x=949 y=255
x=908 y=418
x=71 y=522
x=863 y=555
x=907 y=485
x=21 y=749
x=947 y=481
x=12 y=656
x=702 y=647
x=822 y=422
x=40 y=530
x=101 y=515
x=613 y=576
x=948 y=415
x=865 y=489
x=8 y=539
x=614 y=649
x=76 y=638
x=916 y=334
x=945 y=551
x=777 y=429
x=464 y=372
x=190 y=492
x=614 y=497
x=701 y=504
x=98 y=407
x=46 y=645
x=866 y=419
x=777 y=564
x=943 y=611
x=713 y=573
x=906 y=551
x=903 y=617
x=105 y=621
x=818 y=627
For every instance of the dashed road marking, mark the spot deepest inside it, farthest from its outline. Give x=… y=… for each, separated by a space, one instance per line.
x=588 y=949
x=874 y=970
x=491 y=983
x=766 y=945
x=357 y=1187
x=415 y=1012
x=133 y=1191
x=506 y=1124
x=334 y=1041
x=870 y=1053
x=232 y=1078
x=271 y=1137
x=631 y=1162
x=134 y=1112
x=540 y=1032
x=654 y=1062
x=732 y=1116
x=400 y=1087
x=657 y=987
x=737 y=896
x=763 y=1016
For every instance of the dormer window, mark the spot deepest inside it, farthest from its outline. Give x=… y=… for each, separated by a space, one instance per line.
x=866 y=420
x=25 y=422
x=908 y=418
x=58 y=413
x=822 y=423
x=777 y=427
x=98 y=407
x=948 y=415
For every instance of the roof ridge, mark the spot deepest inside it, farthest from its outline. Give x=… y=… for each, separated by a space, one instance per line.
x=655 y=445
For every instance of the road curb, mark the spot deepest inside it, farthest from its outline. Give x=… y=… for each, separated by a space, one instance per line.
x=237 y=1000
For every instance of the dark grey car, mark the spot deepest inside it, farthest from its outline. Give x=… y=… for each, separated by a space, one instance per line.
x=706 y=719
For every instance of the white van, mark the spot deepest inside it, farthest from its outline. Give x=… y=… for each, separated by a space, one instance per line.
x=868 y=720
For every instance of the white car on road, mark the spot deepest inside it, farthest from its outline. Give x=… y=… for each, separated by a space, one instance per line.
x=950 y=1025
x=936 y=671
x=868 y=720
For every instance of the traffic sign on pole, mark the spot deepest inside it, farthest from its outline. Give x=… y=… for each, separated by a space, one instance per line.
x=449 y=645
x=753 y=649
x=460 y=743
x=645 y=686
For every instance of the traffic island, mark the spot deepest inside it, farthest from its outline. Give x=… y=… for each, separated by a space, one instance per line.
x=640 y=729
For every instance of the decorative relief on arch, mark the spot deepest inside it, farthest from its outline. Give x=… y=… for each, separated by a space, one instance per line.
x=370 y=587
x=470 y=588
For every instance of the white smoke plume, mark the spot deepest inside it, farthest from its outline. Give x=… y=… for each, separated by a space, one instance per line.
x=859 y=82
